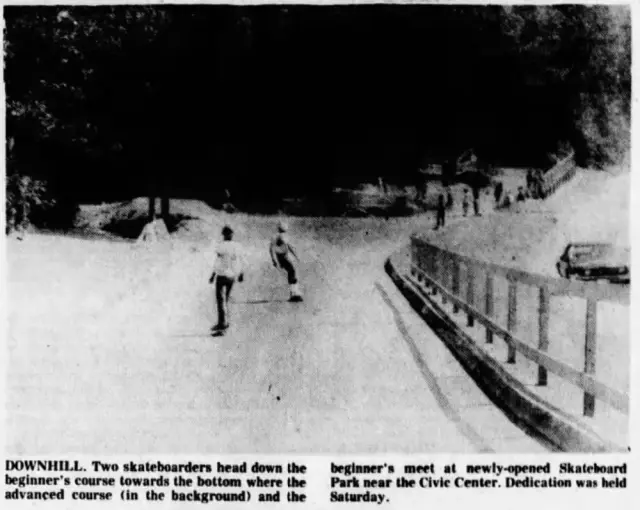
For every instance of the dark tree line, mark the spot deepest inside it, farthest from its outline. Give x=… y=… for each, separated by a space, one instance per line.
x=110 y=102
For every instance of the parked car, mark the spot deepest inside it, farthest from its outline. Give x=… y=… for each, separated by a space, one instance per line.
x=595 y=261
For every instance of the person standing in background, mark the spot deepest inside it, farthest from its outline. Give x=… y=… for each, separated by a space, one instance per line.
x=465 y=202
x=440 y=213
x=497 y=193
x=449 y=199
x=476 y=200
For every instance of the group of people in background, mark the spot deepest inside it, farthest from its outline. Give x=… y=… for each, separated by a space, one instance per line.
x=533 y=190
x=502 y=198
x=446 y=202
x=535 y=184
x=475 y=192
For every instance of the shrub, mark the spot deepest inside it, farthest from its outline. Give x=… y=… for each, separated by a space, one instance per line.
x=28 y=200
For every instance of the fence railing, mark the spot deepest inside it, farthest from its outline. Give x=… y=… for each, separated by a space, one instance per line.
x=561 y=172
x=469 y=285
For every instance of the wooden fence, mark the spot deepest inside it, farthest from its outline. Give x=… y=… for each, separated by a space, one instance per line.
x=557 y=175
x=469 y=285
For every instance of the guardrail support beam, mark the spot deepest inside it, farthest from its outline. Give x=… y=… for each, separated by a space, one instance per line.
x=445 y=272
x=590 y=353
x=543 y=331
x=456 y=283
x=512 y=319
x=435 y=272
x=470 y=293
x=489 y=304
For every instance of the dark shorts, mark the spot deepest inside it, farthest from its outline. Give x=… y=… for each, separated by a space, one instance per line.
x=285 y=263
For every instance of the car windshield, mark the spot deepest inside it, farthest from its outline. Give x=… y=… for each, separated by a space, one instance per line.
x=581 y=253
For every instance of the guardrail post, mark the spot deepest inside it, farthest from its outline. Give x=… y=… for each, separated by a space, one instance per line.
x=470 y=292
x=426 y=267
x=435 y=272
x=543 y=332
x=590 y=353
x=512 y=319
x=445 y=272
x=433 y=258
x=488 y=308
x=456 y=283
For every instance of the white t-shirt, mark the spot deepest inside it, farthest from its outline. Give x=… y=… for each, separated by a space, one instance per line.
x=229 y=260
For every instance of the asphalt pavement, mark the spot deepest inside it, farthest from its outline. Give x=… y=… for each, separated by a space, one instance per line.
x=352 y=369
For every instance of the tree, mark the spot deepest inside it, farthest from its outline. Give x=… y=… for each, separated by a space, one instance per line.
x=581 y=57
x=58 y=63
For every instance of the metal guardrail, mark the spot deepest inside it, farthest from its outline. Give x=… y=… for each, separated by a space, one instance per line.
x=458 y=278
x=557 y=175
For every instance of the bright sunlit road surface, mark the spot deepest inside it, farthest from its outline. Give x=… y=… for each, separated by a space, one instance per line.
x=110 y=352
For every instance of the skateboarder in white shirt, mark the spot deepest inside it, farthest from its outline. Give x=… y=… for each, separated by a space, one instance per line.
x=281 y=253
x=228 y=267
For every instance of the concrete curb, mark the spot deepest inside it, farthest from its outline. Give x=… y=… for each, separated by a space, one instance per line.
x=528 y=411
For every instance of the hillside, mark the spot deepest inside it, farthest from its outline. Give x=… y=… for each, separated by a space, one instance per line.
x=593 y=207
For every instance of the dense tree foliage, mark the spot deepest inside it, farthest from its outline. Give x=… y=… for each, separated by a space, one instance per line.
x=580 y=58
x=108 y=102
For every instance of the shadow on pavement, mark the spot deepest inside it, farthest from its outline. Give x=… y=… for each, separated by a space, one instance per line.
x=259 y=301
x=193 y=335
x=443 y=402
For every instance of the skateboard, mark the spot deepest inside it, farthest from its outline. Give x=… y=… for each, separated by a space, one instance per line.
x=219 y=332
x=296 y=299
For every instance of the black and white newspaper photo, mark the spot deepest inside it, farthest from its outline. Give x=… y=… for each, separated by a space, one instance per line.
x=322 y=255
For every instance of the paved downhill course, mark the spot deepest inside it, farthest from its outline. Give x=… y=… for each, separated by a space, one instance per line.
x=340 y=372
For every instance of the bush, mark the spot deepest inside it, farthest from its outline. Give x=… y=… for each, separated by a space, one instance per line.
x=28 y=200
x=60 y=215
